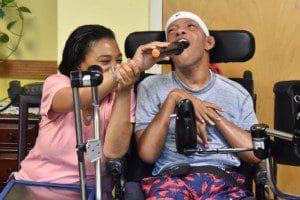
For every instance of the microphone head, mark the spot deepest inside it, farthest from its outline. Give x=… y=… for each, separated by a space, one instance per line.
x=181 y=46
x=185 y=44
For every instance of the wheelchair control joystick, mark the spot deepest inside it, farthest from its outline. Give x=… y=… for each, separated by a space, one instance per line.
x=186 y=133
x=185 y=128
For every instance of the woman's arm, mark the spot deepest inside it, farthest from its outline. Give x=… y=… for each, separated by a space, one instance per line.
x=63 y=99
x=119 y=130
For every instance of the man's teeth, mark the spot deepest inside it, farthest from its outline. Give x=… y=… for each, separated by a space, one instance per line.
x=182 y=40
x=185 y=43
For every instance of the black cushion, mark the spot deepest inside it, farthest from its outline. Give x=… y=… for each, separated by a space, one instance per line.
x=231 y=46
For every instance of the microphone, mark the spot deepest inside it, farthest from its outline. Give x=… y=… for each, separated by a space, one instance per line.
x=174 y=48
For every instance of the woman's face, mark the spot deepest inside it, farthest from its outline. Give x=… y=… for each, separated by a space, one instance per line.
x=104 y=53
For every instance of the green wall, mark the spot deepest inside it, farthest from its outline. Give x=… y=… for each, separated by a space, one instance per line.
x=39 y=41
x=51 y=22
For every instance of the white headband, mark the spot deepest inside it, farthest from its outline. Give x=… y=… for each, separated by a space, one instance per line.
x=188 y=15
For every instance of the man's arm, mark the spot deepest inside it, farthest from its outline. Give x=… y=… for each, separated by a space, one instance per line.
x=235 y=134
x=237 y=138
x=151 y=140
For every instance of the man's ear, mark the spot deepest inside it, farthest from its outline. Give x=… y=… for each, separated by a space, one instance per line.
x=210 y=43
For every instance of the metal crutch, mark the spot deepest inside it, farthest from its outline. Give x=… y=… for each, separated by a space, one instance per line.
x=91 y=78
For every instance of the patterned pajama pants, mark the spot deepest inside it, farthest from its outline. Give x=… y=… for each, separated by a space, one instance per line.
x=195 y=186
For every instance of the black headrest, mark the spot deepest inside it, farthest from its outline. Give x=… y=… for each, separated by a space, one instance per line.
x=231 y=45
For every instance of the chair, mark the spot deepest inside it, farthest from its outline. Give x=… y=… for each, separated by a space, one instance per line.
x=231 y=46
x=286 y=118
x=26 y=101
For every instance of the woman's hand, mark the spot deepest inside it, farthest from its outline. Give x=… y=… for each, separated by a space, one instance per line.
x=143 y=57
x=205 y=112
x=128 y=73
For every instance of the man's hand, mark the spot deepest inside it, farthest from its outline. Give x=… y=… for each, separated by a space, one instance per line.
x=143 y=57
x=205 y=112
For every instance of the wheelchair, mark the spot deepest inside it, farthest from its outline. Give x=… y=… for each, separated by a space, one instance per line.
x=231 y=46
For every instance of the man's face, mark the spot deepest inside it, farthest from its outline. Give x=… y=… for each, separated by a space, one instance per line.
x=188 y=30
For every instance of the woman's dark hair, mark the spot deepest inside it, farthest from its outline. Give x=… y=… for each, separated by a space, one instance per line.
x=79 y=43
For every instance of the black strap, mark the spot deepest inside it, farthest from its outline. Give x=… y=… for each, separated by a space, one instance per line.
x=216 y=171
x=186 y=169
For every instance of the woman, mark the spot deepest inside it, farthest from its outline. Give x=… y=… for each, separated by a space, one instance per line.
x=53 y=158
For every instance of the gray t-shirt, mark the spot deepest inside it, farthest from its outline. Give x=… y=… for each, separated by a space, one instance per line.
x=227 y=94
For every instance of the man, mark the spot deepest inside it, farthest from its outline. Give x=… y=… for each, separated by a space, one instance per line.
x=223 y=108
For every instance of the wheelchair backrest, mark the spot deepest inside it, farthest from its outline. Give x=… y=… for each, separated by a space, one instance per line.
x=286 y=118
x=231 y=45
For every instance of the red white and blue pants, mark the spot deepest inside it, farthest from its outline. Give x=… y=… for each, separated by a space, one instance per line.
x=196 y=186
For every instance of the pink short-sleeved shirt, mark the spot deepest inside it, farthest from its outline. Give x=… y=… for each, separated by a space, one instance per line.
x=53 y=158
